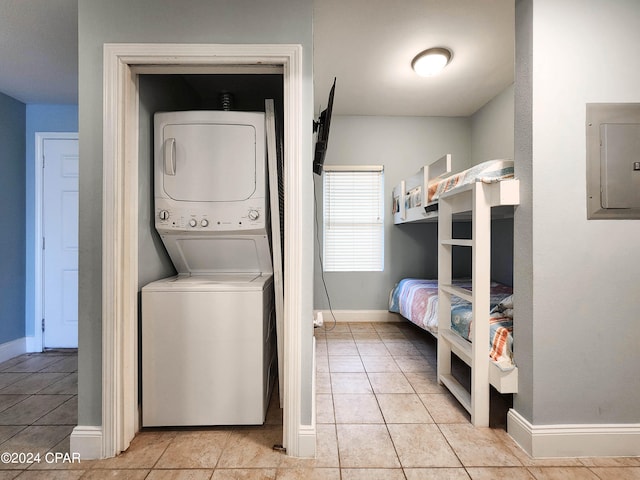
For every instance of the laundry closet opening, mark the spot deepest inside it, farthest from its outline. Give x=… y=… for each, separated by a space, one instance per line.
x=235 y=92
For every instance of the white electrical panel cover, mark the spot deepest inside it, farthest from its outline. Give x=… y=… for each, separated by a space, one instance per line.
x=613 y=160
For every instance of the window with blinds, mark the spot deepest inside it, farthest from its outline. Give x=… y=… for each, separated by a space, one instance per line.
x=353 y=218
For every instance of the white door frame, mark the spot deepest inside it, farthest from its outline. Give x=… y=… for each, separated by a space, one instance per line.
x=120 y=225
x=35 y=343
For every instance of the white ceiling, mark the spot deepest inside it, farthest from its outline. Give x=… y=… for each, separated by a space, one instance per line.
x=367 y=44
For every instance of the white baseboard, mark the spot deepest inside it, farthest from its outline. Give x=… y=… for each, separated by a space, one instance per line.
x=307 y=441
x=598 y=440
x=360 y=316
x=12 y=349
x=33 y=344
x=86 y=441
x=307 y=433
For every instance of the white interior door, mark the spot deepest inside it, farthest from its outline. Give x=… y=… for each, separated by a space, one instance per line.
x=60 y=243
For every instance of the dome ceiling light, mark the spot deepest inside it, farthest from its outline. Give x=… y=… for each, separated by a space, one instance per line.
x=431 y=61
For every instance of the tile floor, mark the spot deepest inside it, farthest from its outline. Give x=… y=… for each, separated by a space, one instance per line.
x=380 y=415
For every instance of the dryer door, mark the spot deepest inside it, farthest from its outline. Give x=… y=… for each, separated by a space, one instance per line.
x=209 y=162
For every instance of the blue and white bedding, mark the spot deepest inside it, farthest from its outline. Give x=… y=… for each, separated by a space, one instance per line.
x=417 y=300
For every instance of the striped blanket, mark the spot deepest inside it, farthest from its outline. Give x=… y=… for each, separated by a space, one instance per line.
x=417 y=300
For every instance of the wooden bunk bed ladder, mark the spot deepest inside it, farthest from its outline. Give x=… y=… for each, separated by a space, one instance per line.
x=477 y=198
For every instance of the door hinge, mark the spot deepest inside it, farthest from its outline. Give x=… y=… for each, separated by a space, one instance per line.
x=43 y=157
x=43 y=324
x=43 y=243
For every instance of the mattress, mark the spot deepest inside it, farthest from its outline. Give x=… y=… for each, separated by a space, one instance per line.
x=488 y=172
x=417 y=300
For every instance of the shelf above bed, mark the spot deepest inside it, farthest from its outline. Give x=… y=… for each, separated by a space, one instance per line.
x=496 y=176
x=410 y=195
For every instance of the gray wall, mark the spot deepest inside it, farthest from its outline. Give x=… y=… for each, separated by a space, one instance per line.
x=492 y=129
x=12 y=199
x=167 y=21
x=579 y=355
x=402 y=145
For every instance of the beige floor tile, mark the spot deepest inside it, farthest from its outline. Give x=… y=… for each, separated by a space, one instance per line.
x=322 y=363
x=65 y=414
x=33 y=383
x=252 y=448
x=191 y=474
x=380 y=364
x=324 y=408
x=138 y=474
x=444 y=408
x=357 y=408
x=619 y=473
x=372 y=347
x=425 y=382
x=499 y=473
x=478 y=447
x=335 y=328
x=244 y=474
x=323 y=382
x=436 y=474
x=403 y=408
x=200 y=449
x=31 y=409
x=345 y=363
x=144 y=451
x=416 y=363
x=420 y=445
x=308 y=474
x=390 y=383
x=372 y=335
x=341 y=347
x=611 y=461
x=350 y=383
x=366 y=446
x=372 y=474
x=51 y=474
x=563 y=473
x=361 y=327
x=401 y=347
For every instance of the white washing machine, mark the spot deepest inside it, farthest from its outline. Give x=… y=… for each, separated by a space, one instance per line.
x=208 y=350
x=208 y=334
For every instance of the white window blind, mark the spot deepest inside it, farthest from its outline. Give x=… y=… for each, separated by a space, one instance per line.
x=353 y=218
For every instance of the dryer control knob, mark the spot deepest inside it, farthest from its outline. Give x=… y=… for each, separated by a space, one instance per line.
x=254 y=215
x=204 y=222
x=164 y=215
x=193 y=222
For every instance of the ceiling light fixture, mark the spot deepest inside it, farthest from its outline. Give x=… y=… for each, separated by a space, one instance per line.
x=431 y=61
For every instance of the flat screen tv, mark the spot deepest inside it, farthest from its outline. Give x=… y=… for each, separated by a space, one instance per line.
x=322 y=127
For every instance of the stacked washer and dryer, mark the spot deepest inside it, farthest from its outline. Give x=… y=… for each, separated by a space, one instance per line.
x=208 y=334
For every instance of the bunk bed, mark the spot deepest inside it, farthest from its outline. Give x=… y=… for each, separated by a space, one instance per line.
x=472 y=195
